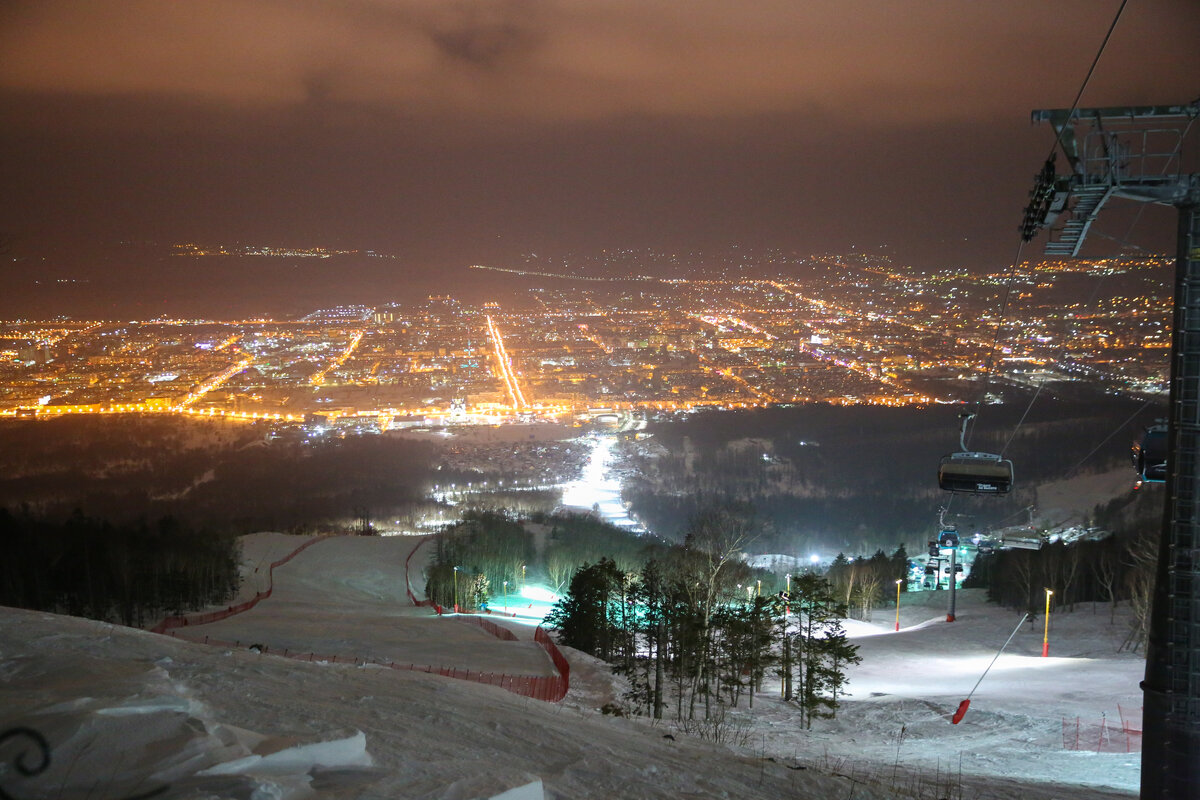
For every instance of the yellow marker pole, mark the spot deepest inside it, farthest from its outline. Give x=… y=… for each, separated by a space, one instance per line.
x=1046 y=635
x=898 y=581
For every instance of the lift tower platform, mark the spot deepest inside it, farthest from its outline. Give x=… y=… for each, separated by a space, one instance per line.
x=1137 y=153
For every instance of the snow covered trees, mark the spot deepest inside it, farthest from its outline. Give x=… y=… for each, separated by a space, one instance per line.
x=488 y=549
x=863 y=583
x=819 y=651
x=692 y=633
x=588 y=617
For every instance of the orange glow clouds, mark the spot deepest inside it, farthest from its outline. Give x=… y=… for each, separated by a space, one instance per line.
x=545 y=60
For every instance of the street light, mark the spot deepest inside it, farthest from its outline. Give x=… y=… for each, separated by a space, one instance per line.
x=456 y=590
x=898 y=582
x=506 y=597
x=1046 y=635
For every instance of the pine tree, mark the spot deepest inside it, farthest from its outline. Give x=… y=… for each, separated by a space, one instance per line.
x=583 y=616
x=823 y=651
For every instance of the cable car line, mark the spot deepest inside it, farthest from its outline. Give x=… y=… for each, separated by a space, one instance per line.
x=987 y=473
x=1021 y=421
x=1079 y=96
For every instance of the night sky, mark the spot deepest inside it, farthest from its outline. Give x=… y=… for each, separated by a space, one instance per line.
x=453 y=133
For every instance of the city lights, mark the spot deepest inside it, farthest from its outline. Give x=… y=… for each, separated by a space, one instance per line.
x=855 y=332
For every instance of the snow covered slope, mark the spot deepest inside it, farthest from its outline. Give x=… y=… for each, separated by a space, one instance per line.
x=126 y=712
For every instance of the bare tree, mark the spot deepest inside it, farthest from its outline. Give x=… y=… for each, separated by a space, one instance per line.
x=1068 y=564
x=1142 y=560
x=710 y=559
x=1105 y=568
x=1024 y=570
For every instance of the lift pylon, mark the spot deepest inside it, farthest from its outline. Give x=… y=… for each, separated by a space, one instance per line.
x=1136 y=153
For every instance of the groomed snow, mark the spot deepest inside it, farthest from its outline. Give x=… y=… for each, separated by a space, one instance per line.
x=126 y=711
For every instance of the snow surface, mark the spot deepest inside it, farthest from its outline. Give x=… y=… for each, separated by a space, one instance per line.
x=126 y=711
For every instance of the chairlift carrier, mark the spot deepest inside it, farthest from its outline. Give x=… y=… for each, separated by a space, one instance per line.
x=948 y=537
x=1150 y=455
x=969 y=472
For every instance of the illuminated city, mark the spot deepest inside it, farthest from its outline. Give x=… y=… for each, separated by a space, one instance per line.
x=854 y=333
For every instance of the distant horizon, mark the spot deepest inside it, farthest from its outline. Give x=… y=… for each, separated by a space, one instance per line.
x=450 y=134
x=147 y=280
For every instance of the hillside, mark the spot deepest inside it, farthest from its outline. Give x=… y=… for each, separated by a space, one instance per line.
x=126 y=711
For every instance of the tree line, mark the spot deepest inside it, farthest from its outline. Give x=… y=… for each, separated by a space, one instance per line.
x=695 y=634
x=864 y=583
x=857 y=478
x=484 y=549
x=220 y=475
x=693 y=628
x=131 y=573
x=1118 y=568
x=490 y=547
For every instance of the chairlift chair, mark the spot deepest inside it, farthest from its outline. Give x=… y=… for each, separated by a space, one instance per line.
x=1150 y=455
x=970 y=472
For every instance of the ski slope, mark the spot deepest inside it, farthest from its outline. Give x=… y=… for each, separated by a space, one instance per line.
x=126 y=712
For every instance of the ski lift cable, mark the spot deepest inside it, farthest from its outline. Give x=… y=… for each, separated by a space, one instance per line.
x=1025 y=510
x=965 y=704
x=1104 y=441
x=1017 y=258
x=1021 y=421
x=1087 y=79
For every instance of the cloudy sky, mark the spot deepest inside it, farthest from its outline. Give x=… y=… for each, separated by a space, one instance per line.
x=468 y=130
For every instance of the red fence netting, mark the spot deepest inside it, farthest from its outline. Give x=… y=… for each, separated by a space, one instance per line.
x=181 y=621
x=490 y=627
x=550 y=688
x=1103 y=737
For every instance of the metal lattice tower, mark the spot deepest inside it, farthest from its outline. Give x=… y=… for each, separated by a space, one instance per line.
x=1136 y=153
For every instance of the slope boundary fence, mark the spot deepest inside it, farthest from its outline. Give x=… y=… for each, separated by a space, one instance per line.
x=549 y=688
x=540 y=687
x=184 y=620
x=503 y=634
x=1103 y=736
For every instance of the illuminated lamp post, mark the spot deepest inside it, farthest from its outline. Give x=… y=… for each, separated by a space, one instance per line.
x=506 y=597
x=898 y=582
x=1046 y=634
x=456 y=590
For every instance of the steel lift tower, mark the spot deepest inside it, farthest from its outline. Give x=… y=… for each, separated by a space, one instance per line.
x=1137 y=153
